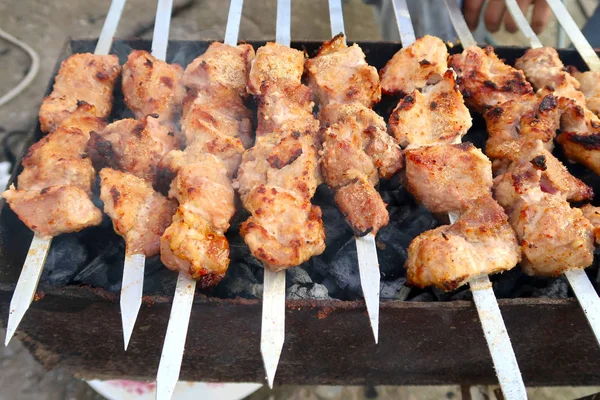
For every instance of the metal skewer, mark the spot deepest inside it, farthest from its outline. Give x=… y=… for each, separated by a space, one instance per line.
x=38 y=250
x=272 y=331
x=579 y=281
x=132 y=286
x=183 y=299
x=496 y=335
x=366 y=250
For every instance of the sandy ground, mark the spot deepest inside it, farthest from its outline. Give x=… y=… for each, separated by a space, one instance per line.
x=46 y=25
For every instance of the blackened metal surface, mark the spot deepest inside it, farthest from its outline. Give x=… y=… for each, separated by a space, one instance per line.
x=76 y=324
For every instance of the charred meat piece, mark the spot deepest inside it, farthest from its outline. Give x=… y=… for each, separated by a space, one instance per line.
x=485 y=80
x=139 y=214
x=516 y=123
x=83 y=80
x=434 y=116
x=221 y=66
x=412 y=66
x=284 y=230
x=58 y=159
x=151 y=86
x=133 y=146
x=589 y=84
x=53 y=210
x=480 y=242
x=592 y=214
x=275 y=63
x=340 y=74
x=554 y=237
x=446 y=178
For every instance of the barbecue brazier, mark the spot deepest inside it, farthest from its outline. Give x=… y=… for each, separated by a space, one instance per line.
x=327 y=341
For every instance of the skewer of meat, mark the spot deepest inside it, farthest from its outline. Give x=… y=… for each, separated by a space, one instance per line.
x=278 y=177
x=581 y=230
x=454 y=179
x=54 y=189
x=345 y=88
x=153 y=91
x=217 y=127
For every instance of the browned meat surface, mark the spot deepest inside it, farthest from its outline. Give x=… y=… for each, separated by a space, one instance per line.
x=485 y=80
x=151 y=86
x=59 y=158
x=54 y=210
x=515 y=123
x=284 y=230
x=412 y=66
x=589 y=84
x=275 y=63
x=83 y=79
x=83 y=118
x=554 y=237
x=362 y=206
x=592 y=214
x=543 y=68
x=480 y=242
x=221 y=66
x=446 y=178
x=139 y=214
x=434 y=116
x=285 y=107
x=340 y=74
x=133 y=146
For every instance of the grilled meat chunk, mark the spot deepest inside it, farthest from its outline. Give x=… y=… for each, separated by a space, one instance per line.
x=340 y=74
x=275 y=63
x=434 y=116
x=480 y=242
x=589 y=84
x=59 y=158
x=412 y=66
x=284 y=230
x=553 y=236
x=151 y=86
x=516 y=123
x=362 y=206
x=139 y=214
x=485 y=80
x=83 y=80
x=446 y=178
x=220 y=66
x=53 y=210
x=592 y=214
x=133 y=146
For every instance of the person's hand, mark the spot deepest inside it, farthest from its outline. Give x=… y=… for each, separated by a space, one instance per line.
x=496 y=13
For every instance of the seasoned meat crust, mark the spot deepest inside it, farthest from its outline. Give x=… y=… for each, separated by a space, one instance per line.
x=83 y=80
x=480 y=242
x=276 y=64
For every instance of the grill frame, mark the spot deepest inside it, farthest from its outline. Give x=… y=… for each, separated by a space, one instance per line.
x=79 y=328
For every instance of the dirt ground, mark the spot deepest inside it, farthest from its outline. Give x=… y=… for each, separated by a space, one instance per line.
x=46 y=25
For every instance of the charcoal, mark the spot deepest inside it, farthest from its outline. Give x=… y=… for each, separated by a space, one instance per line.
x=422 y=297
x=312 y=291
x=239 y=282
x=557 y=289
x=297 y=275
x=105 y=270
x=390 y=289
x=66 y=257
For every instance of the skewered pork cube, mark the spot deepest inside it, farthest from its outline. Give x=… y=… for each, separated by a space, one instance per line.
x=554 y=237
x=84 y=119
x=485 y=80
x=286 y=161
x=139 y=214
x=151 y=86
x=589 y=84
x=277 y=64
x=340 y=74
x=437 y=115
x=284 y=230
x=133 y=146
x=59 y=158
x=412 y=66
x=446 y=178
x=362 y=206
x=514 y=123
x=285 y=107
x=592 y=214
x=480 y=242
x=53 y=210
x=221 y=66
x=555 y=178
x=82 y=79
x=543 y=68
